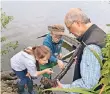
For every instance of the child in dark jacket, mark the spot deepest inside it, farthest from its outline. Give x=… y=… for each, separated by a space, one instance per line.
x=54 y=41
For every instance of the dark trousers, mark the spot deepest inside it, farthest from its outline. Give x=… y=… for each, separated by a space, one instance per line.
x=24 y=80
x=22 y=76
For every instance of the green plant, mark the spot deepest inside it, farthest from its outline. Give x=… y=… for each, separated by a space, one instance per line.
x=107 y=24
x=106 y=67
x=8 y=47
x=5 y=19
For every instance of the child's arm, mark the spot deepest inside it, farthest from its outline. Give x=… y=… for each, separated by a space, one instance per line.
x=60 y=64
x=38 y=73
x=48 y=71
x=60 y=56
x=31 y=67
x=60 y=50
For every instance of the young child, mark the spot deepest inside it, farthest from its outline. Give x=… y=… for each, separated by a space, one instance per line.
x=54 y=41
x=25 y=62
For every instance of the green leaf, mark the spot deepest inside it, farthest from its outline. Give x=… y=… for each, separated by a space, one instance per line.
x=76 y=90
x=97 y=56
x=5 y=19
x=104 y=81
x=107 y=24
x=106 y=88
x=107 y=63
x=105 y=71
x=92 y=89
x=3 y=39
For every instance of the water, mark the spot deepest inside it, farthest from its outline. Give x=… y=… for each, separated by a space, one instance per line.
x=31 y=19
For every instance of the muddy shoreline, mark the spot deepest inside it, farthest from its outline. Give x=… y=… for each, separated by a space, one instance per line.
x=9 y=83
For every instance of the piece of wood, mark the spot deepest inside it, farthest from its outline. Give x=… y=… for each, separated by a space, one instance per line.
x=67 y=55
x=101 y=91
x=70 y=40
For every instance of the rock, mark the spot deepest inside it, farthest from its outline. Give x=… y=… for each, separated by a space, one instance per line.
x=3 y=84
x=14 y=93
x=9 y=89
x=8 y=75
x=15 y=90
x=9 y=82
x=3 y=90
x=5 y=93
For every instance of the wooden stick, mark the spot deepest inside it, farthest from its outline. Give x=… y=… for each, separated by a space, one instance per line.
x=102 y=89
x=65 y=56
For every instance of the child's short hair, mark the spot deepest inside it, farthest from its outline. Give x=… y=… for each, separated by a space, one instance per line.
x=56 y=28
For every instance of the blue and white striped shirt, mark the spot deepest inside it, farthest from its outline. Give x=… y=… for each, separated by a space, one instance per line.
x=89 y=69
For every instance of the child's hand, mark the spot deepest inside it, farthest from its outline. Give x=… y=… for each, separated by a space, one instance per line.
x=49 y=71
x=60 y=64
x=28 y=75
x=60 y=56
